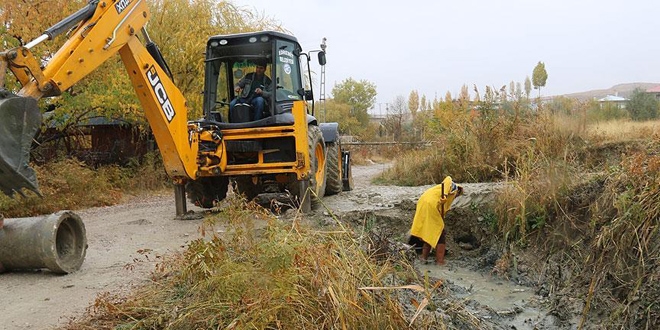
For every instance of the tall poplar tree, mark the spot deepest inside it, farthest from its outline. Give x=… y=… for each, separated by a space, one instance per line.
x=413 y=103
x=539 y=76
x=528 y=86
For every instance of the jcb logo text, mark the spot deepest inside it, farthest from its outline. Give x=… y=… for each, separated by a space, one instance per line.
x=161 y=94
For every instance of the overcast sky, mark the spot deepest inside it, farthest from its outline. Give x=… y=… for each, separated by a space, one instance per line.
x=437 y=46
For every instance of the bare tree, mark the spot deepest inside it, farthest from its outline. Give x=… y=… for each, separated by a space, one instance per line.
x=396 y=116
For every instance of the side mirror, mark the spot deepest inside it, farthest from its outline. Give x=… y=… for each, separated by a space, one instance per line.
x=309 y=95
x=322 y=60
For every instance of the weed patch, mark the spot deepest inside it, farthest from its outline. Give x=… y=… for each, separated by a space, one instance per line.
x=583 y=196
x=70 y=184
x=486 y=147
x=260 y=273
x=281 y=276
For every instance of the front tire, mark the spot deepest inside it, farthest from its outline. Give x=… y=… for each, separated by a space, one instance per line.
x=310 y=190
x=318 y=166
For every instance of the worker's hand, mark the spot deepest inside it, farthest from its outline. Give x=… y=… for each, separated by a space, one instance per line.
x=237 y=89
x=258 y=91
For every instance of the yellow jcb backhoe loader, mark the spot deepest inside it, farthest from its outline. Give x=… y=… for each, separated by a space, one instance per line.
x=286 y=151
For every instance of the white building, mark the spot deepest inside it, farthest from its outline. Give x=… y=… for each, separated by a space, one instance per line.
x=618 y=101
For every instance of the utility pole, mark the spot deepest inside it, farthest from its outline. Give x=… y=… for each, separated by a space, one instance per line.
x=322 y=96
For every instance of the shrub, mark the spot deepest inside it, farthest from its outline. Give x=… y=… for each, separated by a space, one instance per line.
x=642 y=105
x=70 y=184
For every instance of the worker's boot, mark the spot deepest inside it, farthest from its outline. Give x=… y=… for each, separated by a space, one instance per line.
x=425 y=252
x=440 y=254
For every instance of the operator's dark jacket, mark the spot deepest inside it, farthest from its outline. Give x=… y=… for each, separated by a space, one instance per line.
x=248 y=86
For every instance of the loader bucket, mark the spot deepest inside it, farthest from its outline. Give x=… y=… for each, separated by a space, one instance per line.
x=20 y=119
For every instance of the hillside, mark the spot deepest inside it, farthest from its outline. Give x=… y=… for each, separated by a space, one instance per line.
x=623 y=90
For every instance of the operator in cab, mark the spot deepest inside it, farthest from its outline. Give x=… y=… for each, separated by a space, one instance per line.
x=254 y=90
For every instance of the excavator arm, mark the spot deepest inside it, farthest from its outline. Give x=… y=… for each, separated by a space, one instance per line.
x=100 y=30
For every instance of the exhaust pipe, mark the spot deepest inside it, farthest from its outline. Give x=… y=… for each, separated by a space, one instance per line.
x=57 y=242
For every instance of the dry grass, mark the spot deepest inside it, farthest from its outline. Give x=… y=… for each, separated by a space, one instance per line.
x=281 y=276
x=534 y=197
x=623 y=130
x=487 y=147
x=606 y=223
x=585 y=191
x=70 y=184
x=626 y=244
x=66 y=184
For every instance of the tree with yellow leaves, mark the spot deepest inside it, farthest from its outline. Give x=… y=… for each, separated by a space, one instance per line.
x=180 y=28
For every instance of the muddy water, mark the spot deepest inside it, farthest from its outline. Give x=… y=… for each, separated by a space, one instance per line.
x=507 y=304
x=500 y=303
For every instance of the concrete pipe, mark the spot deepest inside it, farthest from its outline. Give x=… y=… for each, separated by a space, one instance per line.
x=57 y=242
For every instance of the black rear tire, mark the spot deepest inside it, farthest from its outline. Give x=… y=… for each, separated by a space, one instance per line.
x=204 y=191
x=334 y=183
x=245 y=186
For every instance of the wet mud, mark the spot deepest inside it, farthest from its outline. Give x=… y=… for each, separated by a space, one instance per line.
x=472 y=278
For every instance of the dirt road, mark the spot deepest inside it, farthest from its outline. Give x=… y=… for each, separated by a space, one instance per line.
x=126 y=240
x=120 y=239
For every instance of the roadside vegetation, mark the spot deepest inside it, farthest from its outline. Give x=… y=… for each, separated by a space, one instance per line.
x=284 y=275
x=582 y=184
x=70 y=184
x=579 y=198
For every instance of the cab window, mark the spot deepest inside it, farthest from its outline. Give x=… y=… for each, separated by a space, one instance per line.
x=287 y=71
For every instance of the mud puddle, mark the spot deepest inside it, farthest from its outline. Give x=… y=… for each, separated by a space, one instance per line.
x=501 y=301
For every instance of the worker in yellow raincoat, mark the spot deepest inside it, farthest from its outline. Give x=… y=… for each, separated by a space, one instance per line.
x=428 y=224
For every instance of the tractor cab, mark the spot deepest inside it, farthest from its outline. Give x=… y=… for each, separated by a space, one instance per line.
x=239 y=60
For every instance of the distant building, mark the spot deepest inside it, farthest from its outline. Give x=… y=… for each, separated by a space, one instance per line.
x=377 y=119
x=655 y=91
x=95 y=140
x=613 y=100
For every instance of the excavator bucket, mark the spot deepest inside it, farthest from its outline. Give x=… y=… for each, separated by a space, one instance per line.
x=20 y=119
